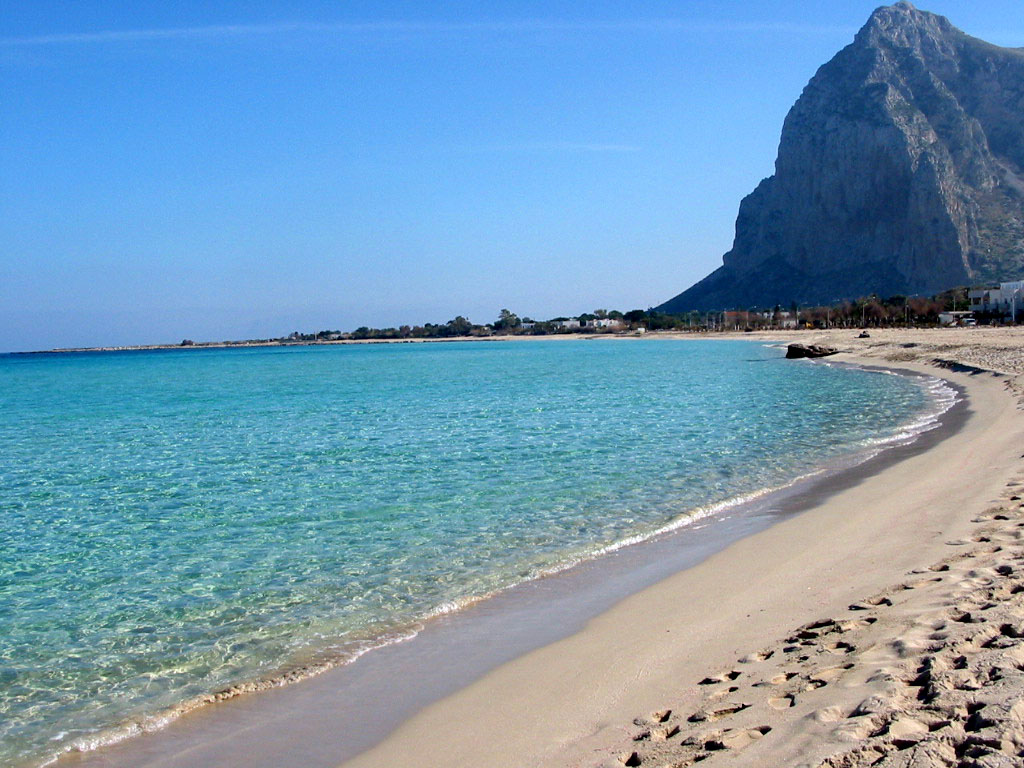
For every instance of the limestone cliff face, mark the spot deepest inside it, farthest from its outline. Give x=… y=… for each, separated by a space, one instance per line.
x=900 y=170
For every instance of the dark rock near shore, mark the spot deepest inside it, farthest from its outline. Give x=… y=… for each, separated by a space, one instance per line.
x=796 y=351
x=900 y=171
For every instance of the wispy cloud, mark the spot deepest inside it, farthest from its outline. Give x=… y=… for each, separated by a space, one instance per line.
x=599 y=147
x=556 y=146
x=174 y=33
x=216 y=33
x=549 y=147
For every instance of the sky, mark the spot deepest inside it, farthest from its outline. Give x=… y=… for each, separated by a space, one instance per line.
x=239 y=170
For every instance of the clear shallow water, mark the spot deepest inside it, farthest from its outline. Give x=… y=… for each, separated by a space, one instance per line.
x=173 y=523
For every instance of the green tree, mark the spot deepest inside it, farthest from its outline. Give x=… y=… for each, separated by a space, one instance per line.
x=506 y=321
x=459 y=326
x=635 y=316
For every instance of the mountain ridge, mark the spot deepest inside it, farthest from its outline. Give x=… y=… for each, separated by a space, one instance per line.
x=900 y=171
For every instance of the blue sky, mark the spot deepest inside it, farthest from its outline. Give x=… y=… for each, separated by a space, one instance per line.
x=240 y=169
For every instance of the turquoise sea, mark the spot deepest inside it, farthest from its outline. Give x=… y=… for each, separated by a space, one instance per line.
x=174 y=523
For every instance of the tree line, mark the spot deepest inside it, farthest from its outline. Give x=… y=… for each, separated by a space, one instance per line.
x=868 y=311
x=507 y=323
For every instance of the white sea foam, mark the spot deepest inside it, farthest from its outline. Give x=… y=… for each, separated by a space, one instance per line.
x=943 y=397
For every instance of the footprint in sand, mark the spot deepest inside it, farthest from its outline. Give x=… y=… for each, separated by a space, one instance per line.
x=738 y=739
x=665 y=733
x=853 y=624
x=717 y=713
x=829 y=674
x=721 y=677
x=813 y=630
x=961 y=616
x=783 y=678
x=840 y=647
x=879 y=601
x=920 y=583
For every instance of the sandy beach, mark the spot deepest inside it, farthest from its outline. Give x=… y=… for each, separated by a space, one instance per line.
x=878 y=626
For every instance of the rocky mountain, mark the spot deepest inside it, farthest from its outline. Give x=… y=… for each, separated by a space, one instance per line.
x=900 y=171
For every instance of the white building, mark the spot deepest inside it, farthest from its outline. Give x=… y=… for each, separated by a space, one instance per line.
x=782 y=318
x=568 y=323
x=1001 y=300
x=956 y=318
x=787 y=320
x=604 y=322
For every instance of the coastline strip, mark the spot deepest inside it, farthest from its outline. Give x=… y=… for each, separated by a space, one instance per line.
x=164 y=759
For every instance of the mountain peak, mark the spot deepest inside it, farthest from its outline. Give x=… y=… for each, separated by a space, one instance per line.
x=903 y=25
x=903 y=8
x=900 y=171
x=902 y=11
